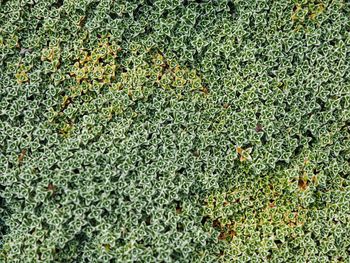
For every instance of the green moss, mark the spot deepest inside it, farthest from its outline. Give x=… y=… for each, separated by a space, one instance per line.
x=118 y=119
x=246 y=211
x=305 y=12
x=100 y=71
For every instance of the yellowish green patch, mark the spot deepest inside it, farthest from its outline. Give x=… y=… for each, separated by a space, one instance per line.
x=306 y=11
x=103 y=70
x=265 y=212
x=22 y=74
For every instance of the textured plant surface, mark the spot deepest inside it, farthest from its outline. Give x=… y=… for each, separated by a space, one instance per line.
x=174 y=131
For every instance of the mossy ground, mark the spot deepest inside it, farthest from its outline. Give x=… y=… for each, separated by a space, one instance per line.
x=174 y=131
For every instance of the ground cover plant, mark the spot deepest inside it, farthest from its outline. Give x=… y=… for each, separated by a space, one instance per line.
x=174 y=131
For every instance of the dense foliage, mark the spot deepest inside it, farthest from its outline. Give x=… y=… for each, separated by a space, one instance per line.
x=174 y=131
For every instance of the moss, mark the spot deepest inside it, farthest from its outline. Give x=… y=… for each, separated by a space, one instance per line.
x=22 y=74
x=118 y=120
x=102 y=70
x=257 y=212
x=307 y=12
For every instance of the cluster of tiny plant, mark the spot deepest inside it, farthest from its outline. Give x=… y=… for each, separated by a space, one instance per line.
x=174 y=131
x=100 y=74
x=307 y=11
